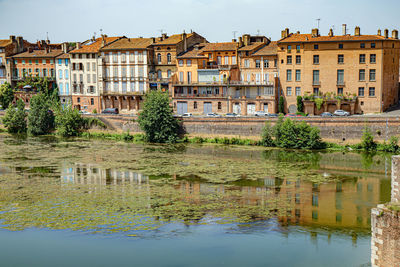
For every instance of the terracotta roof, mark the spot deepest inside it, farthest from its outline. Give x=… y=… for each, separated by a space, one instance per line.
x=231 y=46
x=173 y=39
x=39 y=54
x=94 y=47
x=129 y=43
x=296 y=37
x=5 y=42
x=193 y=53
x=64 y=55
x=268 y=50
x=252 y=46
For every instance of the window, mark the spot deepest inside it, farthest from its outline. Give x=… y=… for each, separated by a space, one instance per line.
x=159 y=74
x=275 y=62
x=116 y=86
x=340 y=77
x=372 y=91
x=298 y=48
x=159 y=58
x=169 y=73
x=67 y=88
x=115 y=71
x=23 y=61
x=362 y=45
x=288 y=75
x=246 y=63
x=59 y=61
x=123 y=57
x=360 y=91
x=258 y=65
x=372 y=73
x=289 y=59
x=219 y=60
x=180 y=63
x=60 y=74
x=181 y=76
x=372 y=58
x=298 y=91
x=289 y=49
x=340 y=59
x=189 y=62
x=316 y=47
x=373 y=45
x=141 y=87
x=288 y=91
x=210 y=56
x=43 y=61
x=140 y=57
x=316 y=59
x=88 y=78
x=315 y=200
x=87 y=66
x=36 y=61
x=124 y=87
x=61 y=88
x=340 y=91
x=115 y=58
x=66 y=75
x=233 y=60
x=78 y=99
x=298 y=75
x=195 y=105
x=226 y=60
x=93 y=66
x=189 y=76
x=219 y=105
x=266 y=63
x=362 y=58
x=316 y=91
x=93 y=78
x=340 y=46
x=361 y=75
x=315 y=76
x=44 y=72
x=92 y=101
x=66 y=62
x=123 y=71
x=298 y=59
x=169 y=58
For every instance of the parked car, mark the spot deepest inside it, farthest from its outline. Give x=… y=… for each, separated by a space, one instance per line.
x=260 y=113
x=84 y=112
x=272 y=115
x=231 y=115
x=177 y=116
x=110 y=111
x=340 y=112
x=326 y=114
x=214 y=115
x=291 y=115
x=185 y=115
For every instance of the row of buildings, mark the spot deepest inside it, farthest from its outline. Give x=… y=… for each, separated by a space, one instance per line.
x=354 y=72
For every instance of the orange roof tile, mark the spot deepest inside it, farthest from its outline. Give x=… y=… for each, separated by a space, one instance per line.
x=39 y=54
x=129 y=43
x=270 y=49
x=230 y=46
x=94 y=46
x=173 y=39
x=251 y=46
x=64 y=55
x=193 y=52
x=296 y=38
x=5 y=42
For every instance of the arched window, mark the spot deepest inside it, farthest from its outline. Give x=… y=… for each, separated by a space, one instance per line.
x=169 y=58
x=159 y=76
x=169 y=73
x=159 y=58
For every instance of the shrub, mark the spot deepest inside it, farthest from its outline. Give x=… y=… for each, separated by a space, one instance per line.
x=15 y=118
x=299 y=104
x=69 y=122
x=367 y=140
x=319 y=102
x=157 y=120
x=40 y=118
x=391 y=147
x=266 y=136
x=281 y=105
x=6 y=95
x=94 y=111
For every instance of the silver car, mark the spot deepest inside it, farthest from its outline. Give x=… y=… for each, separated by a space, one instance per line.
x=260 y=113
x=214 y=115
x=340 y=112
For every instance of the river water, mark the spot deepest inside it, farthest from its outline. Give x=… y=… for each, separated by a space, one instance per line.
x=102 y=203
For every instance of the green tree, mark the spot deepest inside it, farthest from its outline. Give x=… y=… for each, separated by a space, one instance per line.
x=15 y=118
x=266 y=137
x=69 y=122
x=40 y=118
x=299 y=104
x=281 y=105
x=157 y=120
x=6 y=95
x=367 y=141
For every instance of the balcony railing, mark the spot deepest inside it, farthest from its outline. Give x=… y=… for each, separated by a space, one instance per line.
x=251 y=83
x=340 y=83
x=200 y=95
x=316 y=83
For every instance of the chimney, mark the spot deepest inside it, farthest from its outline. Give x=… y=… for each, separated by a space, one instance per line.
x=287 y=32
x=344 y=29
x=357 y=31
x=379 y=32
x=153 y=40
x=12 y=38
x=240 y=41
x=64 y=47
x=386 y=33
x=20 y=44
x=330 y=33
x=164 y=36
x=233 y=40
x=314 y=32
x=395 y=34
x=78 y=45
x=30 y=49
x=184 y=41
x=246 y=39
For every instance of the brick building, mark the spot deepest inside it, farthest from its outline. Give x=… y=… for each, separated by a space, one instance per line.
x=360 y=70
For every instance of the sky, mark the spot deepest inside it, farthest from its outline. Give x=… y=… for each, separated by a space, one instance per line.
x=216 y=20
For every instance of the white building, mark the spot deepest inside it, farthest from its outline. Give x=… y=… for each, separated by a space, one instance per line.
x=63 y=76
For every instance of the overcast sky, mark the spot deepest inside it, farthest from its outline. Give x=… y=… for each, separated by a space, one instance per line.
x=77 y=20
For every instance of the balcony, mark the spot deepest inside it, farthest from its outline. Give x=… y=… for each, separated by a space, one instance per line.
x=251 y=83
x=176 y=95
x=159 y=80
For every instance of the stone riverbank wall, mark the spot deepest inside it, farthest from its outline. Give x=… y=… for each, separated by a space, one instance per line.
x=385 y=226
x=335 y=129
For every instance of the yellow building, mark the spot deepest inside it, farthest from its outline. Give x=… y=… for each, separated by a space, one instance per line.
x=358 y=73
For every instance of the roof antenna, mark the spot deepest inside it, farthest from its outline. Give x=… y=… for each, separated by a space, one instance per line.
x=101 y=32
x=234 y=34
x=258 y=32
x=318 y=20
x=161 y=31
x=47 y=36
